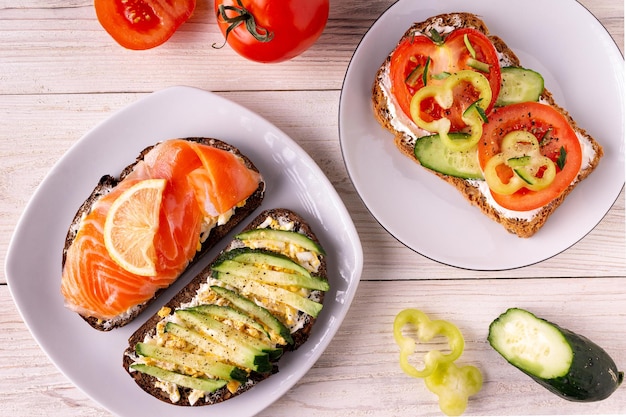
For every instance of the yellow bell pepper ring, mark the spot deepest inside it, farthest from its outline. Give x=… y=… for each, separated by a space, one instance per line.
x=454 y=385
x=425 y=331
x=530 y=169
x=443 y=94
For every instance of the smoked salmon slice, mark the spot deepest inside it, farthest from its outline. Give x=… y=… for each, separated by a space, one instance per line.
x=204 y=183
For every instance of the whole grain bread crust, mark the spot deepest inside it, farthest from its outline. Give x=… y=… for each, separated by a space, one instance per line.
x=405 y=143
x=108 y=182
x=185 y=295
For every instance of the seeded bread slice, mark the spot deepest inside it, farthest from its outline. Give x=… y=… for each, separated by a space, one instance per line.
x=189 y=292
x=108 y=182
x=405 y=142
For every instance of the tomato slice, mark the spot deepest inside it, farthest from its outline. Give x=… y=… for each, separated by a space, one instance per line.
x=142 y=24
x=557 y=141
x=442 y=58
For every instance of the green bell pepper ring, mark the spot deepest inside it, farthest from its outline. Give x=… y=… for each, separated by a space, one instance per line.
x=426 y=330
x=454 y=385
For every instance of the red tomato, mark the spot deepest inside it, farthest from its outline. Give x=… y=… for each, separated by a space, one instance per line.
x=448 y=57
x=284 y=29
x=553 y=132
x=142 y=24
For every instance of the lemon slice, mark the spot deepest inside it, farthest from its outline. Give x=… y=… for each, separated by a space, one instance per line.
x=131 y=224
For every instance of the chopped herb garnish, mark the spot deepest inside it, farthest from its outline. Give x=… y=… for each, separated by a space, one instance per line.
x=436 y=36
x=413 y=76
x=441 y=76
x=482 y=114
x=469 y=46
x=425 y=74
x=480 y=110
x=560 y=161
x=546 y=137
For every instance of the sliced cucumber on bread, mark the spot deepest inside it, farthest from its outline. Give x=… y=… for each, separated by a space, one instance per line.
x=433 y=154
x=519 y=85
x=229 y=327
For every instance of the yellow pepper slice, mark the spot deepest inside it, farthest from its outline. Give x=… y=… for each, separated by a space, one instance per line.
x=444 y=96
x=454 y=385
x=522 y=154
x=426 y=330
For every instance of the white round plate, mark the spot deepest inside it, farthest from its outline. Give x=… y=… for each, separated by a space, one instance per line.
x=91 y=359
x=581 y=66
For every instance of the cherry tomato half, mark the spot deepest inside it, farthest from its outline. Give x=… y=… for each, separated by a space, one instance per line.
x=557 y=140
x=271 y=30
x=142 y=24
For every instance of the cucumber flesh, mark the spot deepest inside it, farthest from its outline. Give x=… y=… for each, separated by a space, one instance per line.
x=277 y=329
x=285 y=236
x=244 y=358
x=270 y=276
x=228 y=336
x=565 y=363
x=248 y=286
x=201 y=384
x=531 y=344
x=265 y=257
x=199 y=362
x=519 y=85
x=228 y=313
x=433 y=154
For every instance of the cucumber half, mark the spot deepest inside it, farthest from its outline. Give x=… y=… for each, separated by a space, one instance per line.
x=431 y=152
x=562 y=361
x=519 y=85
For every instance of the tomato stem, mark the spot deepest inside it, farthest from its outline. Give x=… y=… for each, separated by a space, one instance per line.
x=242 y=15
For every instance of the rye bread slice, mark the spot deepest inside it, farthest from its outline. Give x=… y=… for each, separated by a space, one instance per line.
x=188 y=293
x=405 y=143
x=108 y=182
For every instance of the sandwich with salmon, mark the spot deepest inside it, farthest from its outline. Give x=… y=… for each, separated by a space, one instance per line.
x=139 y=231
x=228 y=328
x=459 y=102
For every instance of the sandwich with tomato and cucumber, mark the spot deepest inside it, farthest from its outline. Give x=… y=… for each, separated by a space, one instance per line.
x=459 y=102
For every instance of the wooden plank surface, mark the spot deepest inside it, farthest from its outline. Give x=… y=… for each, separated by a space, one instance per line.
x=60 y=75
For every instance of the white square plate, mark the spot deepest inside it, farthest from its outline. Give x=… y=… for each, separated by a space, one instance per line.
x=92 y=359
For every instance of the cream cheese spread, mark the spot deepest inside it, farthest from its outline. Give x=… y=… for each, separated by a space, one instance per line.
x=405 y=125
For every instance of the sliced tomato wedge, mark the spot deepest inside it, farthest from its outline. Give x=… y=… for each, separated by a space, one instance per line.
x=414 y=54
x=142 y=24
x=557 y=141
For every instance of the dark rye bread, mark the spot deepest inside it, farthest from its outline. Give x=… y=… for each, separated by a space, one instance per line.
x=405 y=143
x=108 y=182
x=147 y=382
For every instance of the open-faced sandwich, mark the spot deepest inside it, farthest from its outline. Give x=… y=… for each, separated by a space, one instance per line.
x=137 y=233
x=226 y=330
x=459 y=103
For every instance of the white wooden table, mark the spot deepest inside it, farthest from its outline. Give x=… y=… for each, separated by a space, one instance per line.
x=60 y=75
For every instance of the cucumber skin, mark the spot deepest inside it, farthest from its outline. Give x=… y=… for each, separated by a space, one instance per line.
x=592 y=375
x=430 y=152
